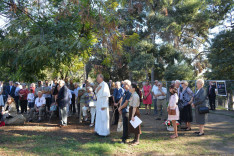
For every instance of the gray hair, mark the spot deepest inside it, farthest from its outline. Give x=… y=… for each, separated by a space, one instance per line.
x=177 y=81
x=185 y=82
x=61 y=81
x=118 y=83
x=90 y=89
x=127 y=82
x=101 y=76
x=201 y=82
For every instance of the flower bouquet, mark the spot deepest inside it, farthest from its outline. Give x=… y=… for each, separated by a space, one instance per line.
x=169 y=125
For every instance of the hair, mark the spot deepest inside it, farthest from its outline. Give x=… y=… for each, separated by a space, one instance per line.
x=201 y=82
x=12 y=99
x=118 y=83
x=101 y=76
x=185 y=82
x=61 y=81
x=173 y=87
x=136 y=89
x=177 y=81
x=160 y=83
x=127 y=82
x=89 y=89
x=113 y=84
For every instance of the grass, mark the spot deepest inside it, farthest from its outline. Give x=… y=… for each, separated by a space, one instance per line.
x=150 y=143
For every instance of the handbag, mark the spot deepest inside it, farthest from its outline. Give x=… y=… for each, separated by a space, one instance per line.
x=203 y=110
x=171 y=111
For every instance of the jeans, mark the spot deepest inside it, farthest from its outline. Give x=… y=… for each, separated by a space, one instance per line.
x=63 y=115
x=125 y=117
x=155 y=107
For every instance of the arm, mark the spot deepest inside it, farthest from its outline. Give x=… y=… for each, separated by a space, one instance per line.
x=123 y=106
x=162 y=92
x=173 y=101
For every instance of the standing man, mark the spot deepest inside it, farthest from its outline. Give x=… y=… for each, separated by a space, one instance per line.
x=102 y=126
x=11 y=89
x=117 y=95
x=62 y=101
x=110 y=84
x=39 y=88
x=154 y=91
x=46 y=90
x=160 y=95
x=124 y=110
x=211 y=95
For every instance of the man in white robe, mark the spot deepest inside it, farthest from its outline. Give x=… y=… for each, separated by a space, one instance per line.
x=102 y=124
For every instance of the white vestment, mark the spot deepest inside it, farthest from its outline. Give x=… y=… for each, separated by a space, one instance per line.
x=102 y=124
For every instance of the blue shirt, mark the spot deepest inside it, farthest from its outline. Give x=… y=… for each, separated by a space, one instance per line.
x=118 y=93
x=127 y=96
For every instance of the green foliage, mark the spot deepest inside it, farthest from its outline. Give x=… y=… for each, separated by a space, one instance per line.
x=221 y=57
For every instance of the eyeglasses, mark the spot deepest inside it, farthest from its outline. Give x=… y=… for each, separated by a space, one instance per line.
x=182 y=83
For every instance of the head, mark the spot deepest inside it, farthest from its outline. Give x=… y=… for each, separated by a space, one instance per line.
x=200 y=83
x=55 y=81
x=133 y=88
x=118 y=85
x=24 y=86
x=173 y=89
x=33 y=85
x=39 y=83
x=177 y=83
x=76 y=85
x=46 y=82
x=61 y=83
x=100 y=78
x=127 y=84
x=11 y=83
x=89 y=89
x=110 y=81
x=156 y=82
x=39 y=94
x=31 y=90
x=17 y=84
x=184 y=84
x=160 y=85
x=113 y=84
x=146 y=83
x=10 y=100
x=71 y=81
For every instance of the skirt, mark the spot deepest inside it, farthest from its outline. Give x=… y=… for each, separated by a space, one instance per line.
x=131 y=129
x=186 y=114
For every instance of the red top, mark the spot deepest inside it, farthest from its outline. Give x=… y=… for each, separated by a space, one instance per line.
x=25 y=94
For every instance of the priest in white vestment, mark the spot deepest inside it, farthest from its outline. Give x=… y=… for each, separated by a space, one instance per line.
x=102 y=124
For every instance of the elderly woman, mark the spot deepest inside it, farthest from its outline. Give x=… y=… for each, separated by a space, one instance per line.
x=199 y=100
x=186 y=98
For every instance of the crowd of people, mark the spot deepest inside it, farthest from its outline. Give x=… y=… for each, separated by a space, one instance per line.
x=93 y=100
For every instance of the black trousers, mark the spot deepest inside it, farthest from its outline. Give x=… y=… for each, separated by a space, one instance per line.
x=17 y=103
x=48 y=103
x=125 y=117
x=116 y=113
x=78 y=107
x=73 y=104
x=212 y=102
x=23 y=106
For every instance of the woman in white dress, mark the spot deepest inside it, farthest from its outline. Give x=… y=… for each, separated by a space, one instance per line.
x=1 y=97
x=173 y=106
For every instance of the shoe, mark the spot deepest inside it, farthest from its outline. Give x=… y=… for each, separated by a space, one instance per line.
x=91 y=125
x=135 y=143
x=123 y=142
x=188 y=129
x=62 y=126
x=30 y=120
x=196 y=132
x=174 y=136
x=200 y=134
x=184 y=128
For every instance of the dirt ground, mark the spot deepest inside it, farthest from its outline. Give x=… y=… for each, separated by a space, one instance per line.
x=220 y=124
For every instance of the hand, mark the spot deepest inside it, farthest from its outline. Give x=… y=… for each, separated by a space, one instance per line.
x=133 y=118
x=103 y=108
x=119 y=109
x=193 y=105
x=115 y=104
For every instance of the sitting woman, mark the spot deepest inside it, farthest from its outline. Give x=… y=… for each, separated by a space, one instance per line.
x=10 y=115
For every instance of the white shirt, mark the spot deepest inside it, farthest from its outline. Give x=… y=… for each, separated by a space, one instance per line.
x=76 y=91
x=154 y=90
x=30 y=97
x=40 y=101
x=158 y=92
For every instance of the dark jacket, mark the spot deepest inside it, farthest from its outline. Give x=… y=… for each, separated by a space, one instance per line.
x=211 y=92
x=63 y=97
x=10 y=92
x=199 y=100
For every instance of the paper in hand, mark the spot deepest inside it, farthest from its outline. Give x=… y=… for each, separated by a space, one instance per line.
x=136 y=122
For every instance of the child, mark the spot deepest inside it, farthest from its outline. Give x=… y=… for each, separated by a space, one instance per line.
x=30 y=99
x=89 y=100
x=92 y=105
